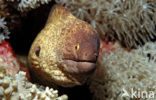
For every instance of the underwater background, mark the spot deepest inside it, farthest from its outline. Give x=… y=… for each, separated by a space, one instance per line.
x=127 y=55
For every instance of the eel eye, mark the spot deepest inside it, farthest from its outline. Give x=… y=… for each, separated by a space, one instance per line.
x=77 y=47
x=37 y=51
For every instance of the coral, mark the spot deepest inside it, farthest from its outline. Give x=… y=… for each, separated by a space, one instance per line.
x=9 y=12
x=132 y=22
x=107 y=47
x=149 y=50
x=20 y=89
x=31 y=4
x=4 y=32
x=26 y=5
x=8 y=61
x=121 y=69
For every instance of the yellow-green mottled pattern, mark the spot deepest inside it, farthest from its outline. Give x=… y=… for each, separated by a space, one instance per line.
x=52 y=41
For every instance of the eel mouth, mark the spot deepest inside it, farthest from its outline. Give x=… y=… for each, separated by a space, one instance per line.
x=80 y=67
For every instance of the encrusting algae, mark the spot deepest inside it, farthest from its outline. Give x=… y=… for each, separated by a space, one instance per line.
x=65 y=51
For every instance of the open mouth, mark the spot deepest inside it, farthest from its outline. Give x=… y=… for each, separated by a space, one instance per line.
x=79 y=66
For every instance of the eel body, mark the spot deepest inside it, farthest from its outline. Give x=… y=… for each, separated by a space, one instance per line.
x=65 y=51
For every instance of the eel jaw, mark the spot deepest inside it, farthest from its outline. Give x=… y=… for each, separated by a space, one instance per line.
x=79 y=69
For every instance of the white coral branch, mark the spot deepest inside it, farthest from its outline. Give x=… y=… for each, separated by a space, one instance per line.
x=26 y=5
x=20 y=89
x=4 y=32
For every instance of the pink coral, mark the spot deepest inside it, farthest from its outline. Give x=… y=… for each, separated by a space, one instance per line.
x=8 y=61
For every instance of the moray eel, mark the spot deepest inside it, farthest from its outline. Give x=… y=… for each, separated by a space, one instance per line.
x=65 y=51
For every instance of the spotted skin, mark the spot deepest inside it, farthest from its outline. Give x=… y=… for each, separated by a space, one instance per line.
x=65 y=51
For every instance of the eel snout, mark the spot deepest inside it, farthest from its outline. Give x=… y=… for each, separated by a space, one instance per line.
x=83 y=64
